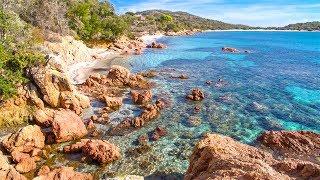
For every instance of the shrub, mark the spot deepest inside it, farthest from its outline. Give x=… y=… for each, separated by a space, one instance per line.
x=95 y=20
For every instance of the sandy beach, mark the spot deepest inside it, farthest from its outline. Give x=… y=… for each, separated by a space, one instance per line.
x=80 y=71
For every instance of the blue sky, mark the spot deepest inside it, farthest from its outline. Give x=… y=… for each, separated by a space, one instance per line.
x=250 y=12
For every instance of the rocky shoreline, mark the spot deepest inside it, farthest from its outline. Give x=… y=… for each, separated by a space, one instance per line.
x=58 y=106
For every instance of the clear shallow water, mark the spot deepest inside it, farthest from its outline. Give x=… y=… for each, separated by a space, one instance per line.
x=275 y=87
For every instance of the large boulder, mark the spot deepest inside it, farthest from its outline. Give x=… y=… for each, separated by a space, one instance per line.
x=25 y=140
x=292 y=142
x=7 y=171
x=67 y=126
x=64 y=173
x=100 y=151
x=118 y=75
x=56 y=88
x=221 y=157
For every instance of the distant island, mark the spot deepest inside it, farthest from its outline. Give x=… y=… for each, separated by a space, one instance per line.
x=308 y=26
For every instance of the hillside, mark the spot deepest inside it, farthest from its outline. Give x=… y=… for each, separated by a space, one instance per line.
x=309 y=26
x=161 y=20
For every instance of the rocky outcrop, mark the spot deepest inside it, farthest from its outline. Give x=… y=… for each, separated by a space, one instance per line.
x=67 y=126
x=155 y=45
x=64 y=173
x=221 y=157
x=7 y=171
x=150 y=112
x=196 y=95
x=141 y=97
x=56 y=89
x=25 y=147
x=117 y=77
x=113 y=102
x=292 y=143
x=25 y=140
x=100 y=151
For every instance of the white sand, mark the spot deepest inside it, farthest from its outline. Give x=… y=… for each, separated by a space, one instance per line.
x=80 y=71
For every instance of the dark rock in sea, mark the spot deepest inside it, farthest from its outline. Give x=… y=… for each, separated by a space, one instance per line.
x=194 y=121
x=257 y=107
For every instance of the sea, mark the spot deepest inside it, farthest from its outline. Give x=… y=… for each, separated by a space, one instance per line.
x=273 y=83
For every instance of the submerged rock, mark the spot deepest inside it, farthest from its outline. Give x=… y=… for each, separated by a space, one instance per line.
x=196 y=95
x=221 y=157
x=64 y=173
x=67 y=126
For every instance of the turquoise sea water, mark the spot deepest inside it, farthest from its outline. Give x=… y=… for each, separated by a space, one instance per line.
x=274 y=87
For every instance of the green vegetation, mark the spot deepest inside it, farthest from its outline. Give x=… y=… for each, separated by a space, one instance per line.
x=159 y=20
x=308 y=26
x=94 y=20
x=16 y=40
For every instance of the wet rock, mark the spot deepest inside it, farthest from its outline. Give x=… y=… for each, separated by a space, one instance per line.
x=208 y=82
x=64 y=173
x=292 y=143
x=26 y=165
x=90 y=124
x=196 y=95
x=7 y=171
x=94 y=118
x=141 y=97
x=158 y=133
x=101 y=151
x=25 y=140
x=113 y=102
x=67 y=126
x=230 y=50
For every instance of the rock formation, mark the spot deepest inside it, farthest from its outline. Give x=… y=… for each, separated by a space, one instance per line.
x=63 y=173
x=196 y=95
x=99 y=151
x=220 y=157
